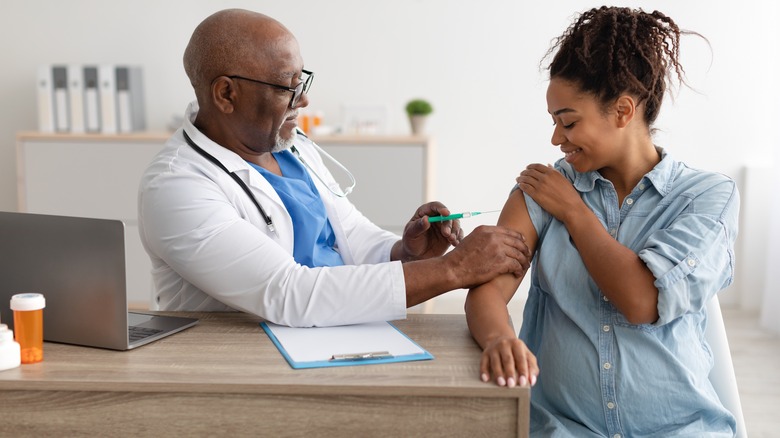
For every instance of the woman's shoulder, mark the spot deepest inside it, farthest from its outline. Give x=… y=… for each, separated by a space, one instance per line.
x=691 y=178
x=566 y=169
x=711 y=193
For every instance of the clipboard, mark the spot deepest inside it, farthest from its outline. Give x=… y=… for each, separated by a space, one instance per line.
x=349 y=345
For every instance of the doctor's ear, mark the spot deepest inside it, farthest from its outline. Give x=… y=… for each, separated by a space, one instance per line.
x=223 y=94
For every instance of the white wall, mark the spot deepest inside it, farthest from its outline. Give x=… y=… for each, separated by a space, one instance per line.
x=477 y=62
x=771 y=299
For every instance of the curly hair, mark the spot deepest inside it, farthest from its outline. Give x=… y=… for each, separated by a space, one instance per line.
x=609 y=51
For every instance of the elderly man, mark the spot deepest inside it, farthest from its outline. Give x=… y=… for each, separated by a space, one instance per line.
x=239 y=212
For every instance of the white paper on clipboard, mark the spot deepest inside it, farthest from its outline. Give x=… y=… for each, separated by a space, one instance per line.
x=319 y=345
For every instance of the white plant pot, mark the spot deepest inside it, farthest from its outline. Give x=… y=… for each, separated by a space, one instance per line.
x=418 y=124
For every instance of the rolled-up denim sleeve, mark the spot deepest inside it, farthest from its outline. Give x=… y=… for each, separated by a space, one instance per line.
x=693 y=258
x=539 y=216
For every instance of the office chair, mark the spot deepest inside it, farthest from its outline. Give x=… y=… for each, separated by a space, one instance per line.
x=722 y=375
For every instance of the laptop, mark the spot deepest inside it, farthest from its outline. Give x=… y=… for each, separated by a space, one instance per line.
x=78 y=264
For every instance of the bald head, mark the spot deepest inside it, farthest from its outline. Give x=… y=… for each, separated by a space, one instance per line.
x=232 y=41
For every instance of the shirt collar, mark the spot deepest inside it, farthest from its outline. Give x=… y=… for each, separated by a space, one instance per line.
x=661 y=176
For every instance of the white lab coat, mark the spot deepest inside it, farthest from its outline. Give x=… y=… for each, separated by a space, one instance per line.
x=211 y=249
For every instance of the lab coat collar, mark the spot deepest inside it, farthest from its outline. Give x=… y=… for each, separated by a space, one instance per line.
x=232 y=161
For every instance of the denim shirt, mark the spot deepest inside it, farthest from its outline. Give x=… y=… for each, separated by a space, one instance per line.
x=599 y=374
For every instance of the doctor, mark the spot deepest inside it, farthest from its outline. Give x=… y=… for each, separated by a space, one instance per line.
x=239 y=212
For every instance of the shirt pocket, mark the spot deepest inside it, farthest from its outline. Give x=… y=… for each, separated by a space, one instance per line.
x=621 y=321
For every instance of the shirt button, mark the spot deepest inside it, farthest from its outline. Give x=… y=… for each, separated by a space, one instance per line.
x=642 y=186
x=691 y=262
x=611 y=405
x=617 y=435
x=604 y=297
x=629 y=201
x=613 y=232
x=605 y=328
x=607 y=365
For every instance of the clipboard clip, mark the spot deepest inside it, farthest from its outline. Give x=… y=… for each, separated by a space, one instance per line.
x=362 y=356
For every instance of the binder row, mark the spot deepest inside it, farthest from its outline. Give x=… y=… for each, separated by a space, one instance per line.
x=106 y=99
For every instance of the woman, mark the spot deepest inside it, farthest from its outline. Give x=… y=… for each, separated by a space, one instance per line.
x=629 y=245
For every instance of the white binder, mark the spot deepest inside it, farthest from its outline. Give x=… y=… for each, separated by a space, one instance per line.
x=59 y=75
x=91 y=99
x=45 y=99
x=129 y=99
x=107 y=89
x=76 y=97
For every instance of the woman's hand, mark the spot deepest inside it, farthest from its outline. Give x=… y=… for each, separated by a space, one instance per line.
x=508 y=361
x=550 y=189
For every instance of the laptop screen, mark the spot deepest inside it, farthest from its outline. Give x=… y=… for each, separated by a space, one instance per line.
x=78 y=264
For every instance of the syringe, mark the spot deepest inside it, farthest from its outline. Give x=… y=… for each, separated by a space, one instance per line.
x=464 y=215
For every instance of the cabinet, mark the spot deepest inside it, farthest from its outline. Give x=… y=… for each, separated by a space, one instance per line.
x=91 y=176
x=97 y=176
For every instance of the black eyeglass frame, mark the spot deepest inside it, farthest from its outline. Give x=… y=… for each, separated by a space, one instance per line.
x=297 y=91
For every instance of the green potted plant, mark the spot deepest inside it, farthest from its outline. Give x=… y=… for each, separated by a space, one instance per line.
x=418 y=110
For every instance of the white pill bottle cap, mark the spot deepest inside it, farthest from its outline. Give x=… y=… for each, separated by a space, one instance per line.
x=27 y=301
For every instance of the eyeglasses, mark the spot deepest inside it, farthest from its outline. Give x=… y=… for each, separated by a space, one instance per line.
x=302 y=87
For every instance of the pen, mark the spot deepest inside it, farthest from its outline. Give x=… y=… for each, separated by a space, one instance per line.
x=362 y=356
x=464 y=215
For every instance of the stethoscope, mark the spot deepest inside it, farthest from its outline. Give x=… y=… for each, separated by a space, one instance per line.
x=268 y=221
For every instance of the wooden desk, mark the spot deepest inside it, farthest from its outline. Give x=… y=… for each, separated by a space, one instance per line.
x=225 y=377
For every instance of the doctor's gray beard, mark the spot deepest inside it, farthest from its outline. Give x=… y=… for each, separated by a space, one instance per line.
x=282 y=144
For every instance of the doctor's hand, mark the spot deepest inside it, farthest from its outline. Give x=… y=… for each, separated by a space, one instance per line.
x=422 y=239
x=487 y=252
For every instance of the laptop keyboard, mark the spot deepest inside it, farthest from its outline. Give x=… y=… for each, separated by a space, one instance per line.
x=138 y=333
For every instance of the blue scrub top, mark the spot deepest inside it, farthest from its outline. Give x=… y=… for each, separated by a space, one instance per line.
x=313 y=237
